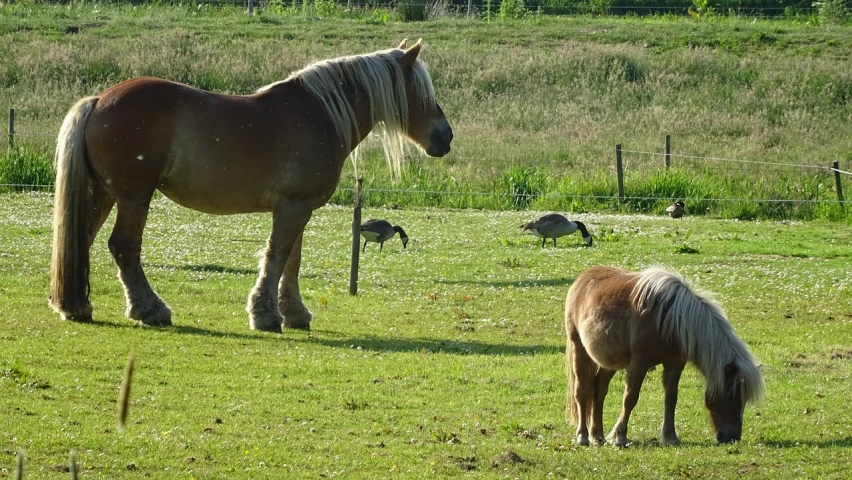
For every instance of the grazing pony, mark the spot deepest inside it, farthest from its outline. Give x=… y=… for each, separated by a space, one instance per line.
x=280 y=150
x=620 y=320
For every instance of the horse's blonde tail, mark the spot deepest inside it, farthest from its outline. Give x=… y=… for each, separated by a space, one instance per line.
x=69 y=269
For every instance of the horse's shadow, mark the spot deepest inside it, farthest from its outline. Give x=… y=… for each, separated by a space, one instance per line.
x=842 y=442
x=549 y=282
x=400 y=345
x=207 y=268
x=327 y=338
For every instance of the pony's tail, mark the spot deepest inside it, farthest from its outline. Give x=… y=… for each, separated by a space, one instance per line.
x=571 y=411
x=69 y=266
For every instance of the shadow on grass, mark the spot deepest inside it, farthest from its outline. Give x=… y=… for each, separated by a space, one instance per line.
x=550 y=282
x=369 y=344
x=207 y=268
x=840 y=442
x=179 y=329
x=425 y=345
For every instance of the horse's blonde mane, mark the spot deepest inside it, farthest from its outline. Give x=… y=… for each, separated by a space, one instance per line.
x=379 y=76
x=697 y=323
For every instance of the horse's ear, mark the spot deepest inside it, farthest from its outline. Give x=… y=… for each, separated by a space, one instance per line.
x=410 y=54
x=403 y=44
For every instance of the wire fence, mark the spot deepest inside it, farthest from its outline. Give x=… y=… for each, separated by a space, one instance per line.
x=712 y=162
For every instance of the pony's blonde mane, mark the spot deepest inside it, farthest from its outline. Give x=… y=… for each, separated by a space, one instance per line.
x=379 y=76
x=698 y=325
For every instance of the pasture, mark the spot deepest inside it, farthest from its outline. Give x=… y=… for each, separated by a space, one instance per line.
x=537 y=104
x=450 y=356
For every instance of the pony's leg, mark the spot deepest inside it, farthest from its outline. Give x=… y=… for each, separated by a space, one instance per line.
x=671 y=378
x=581 y=391
x=635 y=376
x=288 y=222
x=290 y=304
x=602 y=380
x=125 y=244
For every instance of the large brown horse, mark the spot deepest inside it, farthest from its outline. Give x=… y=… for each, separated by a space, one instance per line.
x=617 y=320
x=280 y=150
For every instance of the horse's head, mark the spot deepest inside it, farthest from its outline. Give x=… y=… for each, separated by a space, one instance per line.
x=726 y=407
x=427 y=125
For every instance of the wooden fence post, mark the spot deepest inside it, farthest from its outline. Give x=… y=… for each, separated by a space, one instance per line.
x=836 y=167
x=250 y=7
x=619 y=171
x=469 y=6
x=668 y=151
x=356 y=240
x=11 y=128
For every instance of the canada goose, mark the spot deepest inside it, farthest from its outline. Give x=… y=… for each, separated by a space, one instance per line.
x=380 y=231
x=676 y=209
x=553 y=226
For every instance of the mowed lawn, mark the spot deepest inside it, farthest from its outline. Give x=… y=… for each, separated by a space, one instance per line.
x=448 y=363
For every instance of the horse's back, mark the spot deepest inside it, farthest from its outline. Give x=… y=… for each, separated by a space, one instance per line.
x=208 y=151
x=599 y=310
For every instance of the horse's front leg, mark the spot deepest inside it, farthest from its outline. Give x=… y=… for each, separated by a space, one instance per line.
x=290 y=304
x=671 y=378
x=288 y=221
x=635 y=376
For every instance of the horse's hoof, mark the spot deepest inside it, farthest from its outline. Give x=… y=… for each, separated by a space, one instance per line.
x=81 y=318
x=155 y=315
x=266 y=323
x=599 y=440
x=583 y=440
x=81 y=314
x=671 y=441
x=298 y=320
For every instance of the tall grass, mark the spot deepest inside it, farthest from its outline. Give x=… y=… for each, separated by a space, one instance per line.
x=25 y=167
x=537 y=104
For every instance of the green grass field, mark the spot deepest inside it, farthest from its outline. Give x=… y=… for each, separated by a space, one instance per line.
x=450 y=356
x=544 y=99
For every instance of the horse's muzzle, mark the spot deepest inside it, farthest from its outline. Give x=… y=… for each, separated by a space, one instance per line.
x=439 y=140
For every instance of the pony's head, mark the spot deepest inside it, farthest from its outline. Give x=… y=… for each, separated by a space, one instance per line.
x=742 y=383
x=426 y=126
x=726 y=407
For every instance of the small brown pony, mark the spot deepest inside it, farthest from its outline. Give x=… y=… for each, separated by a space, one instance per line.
x=280 y=150
x=616 y=320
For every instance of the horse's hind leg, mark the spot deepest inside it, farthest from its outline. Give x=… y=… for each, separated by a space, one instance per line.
x=581 y=389
x=602 y=380
x=288 y=222
x=290 y=304
x=125 y=244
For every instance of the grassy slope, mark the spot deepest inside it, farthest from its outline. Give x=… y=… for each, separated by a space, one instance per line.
x=551 y=94
x=450 y=355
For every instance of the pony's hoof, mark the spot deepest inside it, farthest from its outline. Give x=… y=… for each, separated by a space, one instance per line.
x=600 y=440
x=155 y=315
x=583 y=440
x=298 y=320
x=266 y=323
x=670 y=440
